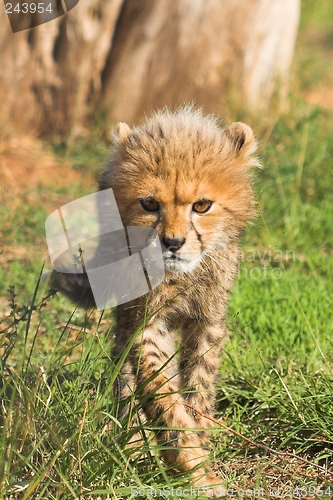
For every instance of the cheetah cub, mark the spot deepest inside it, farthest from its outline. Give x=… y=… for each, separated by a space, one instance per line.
x=183 y=175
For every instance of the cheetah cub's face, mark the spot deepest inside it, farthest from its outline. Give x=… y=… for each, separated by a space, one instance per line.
x=183 y=213
x=185 y=242
x=186 y=177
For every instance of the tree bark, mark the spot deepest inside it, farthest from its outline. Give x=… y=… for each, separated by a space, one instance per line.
x=49 y=74
x=167 y=52
x=131 y=56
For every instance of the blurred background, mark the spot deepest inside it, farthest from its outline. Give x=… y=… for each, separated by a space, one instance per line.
x=123 y=58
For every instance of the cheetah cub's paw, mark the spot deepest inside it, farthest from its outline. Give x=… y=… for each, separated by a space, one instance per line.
x=211 y=486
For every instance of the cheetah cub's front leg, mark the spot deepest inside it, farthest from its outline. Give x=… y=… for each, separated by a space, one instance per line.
x=153 y=360
x=199 y=365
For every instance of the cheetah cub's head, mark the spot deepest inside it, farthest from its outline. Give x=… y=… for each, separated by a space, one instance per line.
x=188 y=178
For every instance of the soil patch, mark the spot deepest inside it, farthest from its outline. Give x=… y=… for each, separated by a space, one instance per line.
x=28 y=162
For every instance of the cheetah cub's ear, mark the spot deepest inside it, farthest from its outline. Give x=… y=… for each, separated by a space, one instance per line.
x=241 y=138
x=120 y=133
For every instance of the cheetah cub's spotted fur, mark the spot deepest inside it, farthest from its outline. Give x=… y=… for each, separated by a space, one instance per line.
x=191 y=180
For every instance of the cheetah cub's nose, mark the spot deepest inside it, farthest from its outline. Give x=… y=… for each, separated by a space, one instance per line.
x=173 y=244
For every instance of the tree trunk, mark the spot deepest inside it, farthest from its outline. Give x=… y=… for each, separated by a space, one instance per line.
x=131 y=56
x=49 y=74
x=168 y=52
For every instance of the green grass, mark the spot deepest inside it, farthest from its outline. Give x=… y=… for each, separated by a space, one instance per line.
x=59 y=438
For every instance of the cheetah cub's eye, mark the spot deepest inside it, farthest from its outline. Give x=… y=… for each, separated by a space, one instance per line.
x=149 y=204
x=201 y=206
